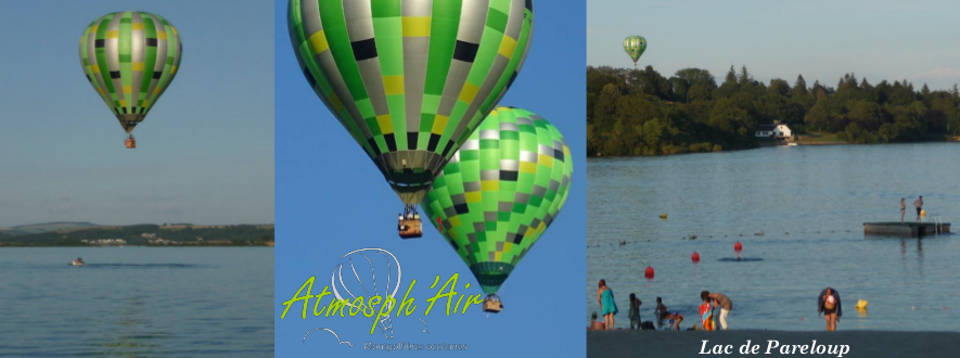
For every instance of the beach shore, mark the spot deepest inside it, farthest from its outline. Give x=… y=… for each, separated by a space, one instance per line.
x=626 y=343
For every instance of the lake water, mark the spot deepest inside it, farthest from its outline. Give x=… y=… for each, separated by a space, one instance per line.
x=800 y=210
x=136 y=302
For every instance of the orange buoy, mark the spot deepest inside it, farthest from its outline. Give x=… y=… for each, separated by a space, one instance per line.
x=695 y=257
x=648 y=273
x=738 y=247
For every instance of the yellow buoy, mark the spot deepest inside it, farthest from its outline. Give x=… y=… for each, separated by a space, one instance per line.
x=663 y=216
x=862 y=304
x=923 y=213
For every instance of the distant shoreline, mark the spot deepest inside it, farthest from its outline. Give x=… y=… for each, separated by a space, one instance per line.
x=800 y=143
x=84 y=234
x=266 y=244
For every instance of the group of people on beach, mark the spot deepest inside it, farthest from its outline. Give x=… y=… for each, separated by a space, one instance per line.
x=828 y=304
x=711 y=301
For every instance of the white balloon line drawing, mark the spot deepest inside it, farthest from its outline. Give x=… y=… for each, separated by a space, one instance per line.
x=335 y=335
x=386 y=323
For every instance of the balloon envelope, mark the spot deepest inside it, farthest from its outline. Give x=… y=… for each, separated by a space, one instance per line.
x=410 y=80
x=130 y=58
x=634 y=45
x=500 y=191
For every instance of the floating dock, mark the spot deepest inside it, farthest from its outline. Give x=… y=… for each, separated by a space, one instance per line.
x=906 y=228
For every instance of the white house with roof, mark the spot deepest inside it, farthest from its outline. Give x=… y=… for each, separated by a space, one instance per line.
x=774 y=130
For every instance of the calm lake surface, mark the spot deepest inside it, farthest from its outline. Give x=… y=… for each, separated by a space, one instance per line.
x=800 y=210
x=136 y=302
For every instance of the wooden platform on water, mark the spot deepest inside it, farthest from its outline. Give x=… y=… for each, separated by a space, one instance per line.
x=906 y=228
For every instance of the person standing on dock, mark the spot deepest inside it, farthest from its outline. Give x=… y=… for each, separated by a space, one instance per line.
x=903 y=208
x=607 y=304
x=721 y=300
x=829 y=304
x=919 y=205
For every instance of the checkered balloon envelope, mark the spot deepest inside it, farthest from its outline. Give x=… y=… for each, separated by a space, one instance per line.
x=500 y=192
x=130 y=58
x=410 y=80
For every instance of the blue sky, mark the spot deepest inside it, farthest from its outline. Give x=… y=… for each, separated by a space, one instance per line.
x=205 y=152
x=821 y=39
x=331 y=199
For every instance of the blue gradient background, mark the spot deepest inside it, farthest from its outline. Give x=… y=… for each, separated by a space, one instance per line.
x=330 y=199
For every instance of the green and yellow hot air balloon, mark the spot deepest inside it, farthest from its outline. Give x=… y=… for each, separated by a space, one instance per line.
x=130 y=58
x=500 y=192
x=410 y=79
x=634 y=45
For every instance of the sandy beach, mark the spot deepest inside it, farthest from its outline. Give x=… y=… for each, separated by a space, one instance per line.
x=625 y=343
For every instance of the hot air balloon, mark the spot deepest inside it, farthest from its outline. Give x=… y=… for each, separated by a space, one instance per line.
x=634 y=45
x=130 y=58
x=410 y=80
x=499 y=193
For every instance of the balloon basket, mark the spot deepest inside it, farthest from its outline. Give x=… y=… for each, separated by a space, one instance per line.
x=410 y=228
x=492 y=304
x=130 y=143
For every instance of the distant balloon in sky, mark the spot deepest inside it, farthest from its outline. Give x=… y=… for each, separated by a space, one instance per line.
x=634 y=45
x=500 y=192
x=130 y=58
x=410 y=80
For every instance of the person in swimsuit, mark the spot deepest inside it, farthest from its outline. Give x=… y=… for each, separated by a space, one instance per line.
x=607 y=304
x=903 y=208
x=919 y=205
x=660 y=312
x=828 y=303
x=634 y=312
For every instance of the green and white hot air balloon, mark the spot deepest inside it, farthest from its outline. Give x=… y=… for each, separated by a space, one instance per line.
x=410 y=79
x=634 y=45
x=130 y=58
x=500 y=192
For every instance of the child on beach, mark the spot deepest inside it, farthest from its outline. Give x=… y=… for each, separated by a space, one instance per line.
x=706 y=314
x=594 y=324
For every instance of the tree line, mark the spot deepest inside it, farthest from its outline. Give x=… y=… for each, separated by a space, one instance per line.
x=239 y=235
x=640 y=112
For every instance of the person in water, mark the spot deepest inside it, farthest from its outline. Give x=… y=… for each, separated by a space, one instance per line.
x=594 y=324
x=706 y=314
x=828 y=303
x=919 y=205
x=607 y=304
x=721 y=300
x=903 y=208
x=660 y=312
x=634 y=312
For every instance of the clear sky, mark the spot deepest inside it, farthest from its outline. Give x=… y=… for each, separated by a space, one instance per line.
x=205 y=151
x=331 y=199
x=821 y=39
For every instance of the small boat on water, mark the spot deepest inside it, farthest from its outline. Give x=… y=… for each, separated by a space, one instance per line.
x=77 y=262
